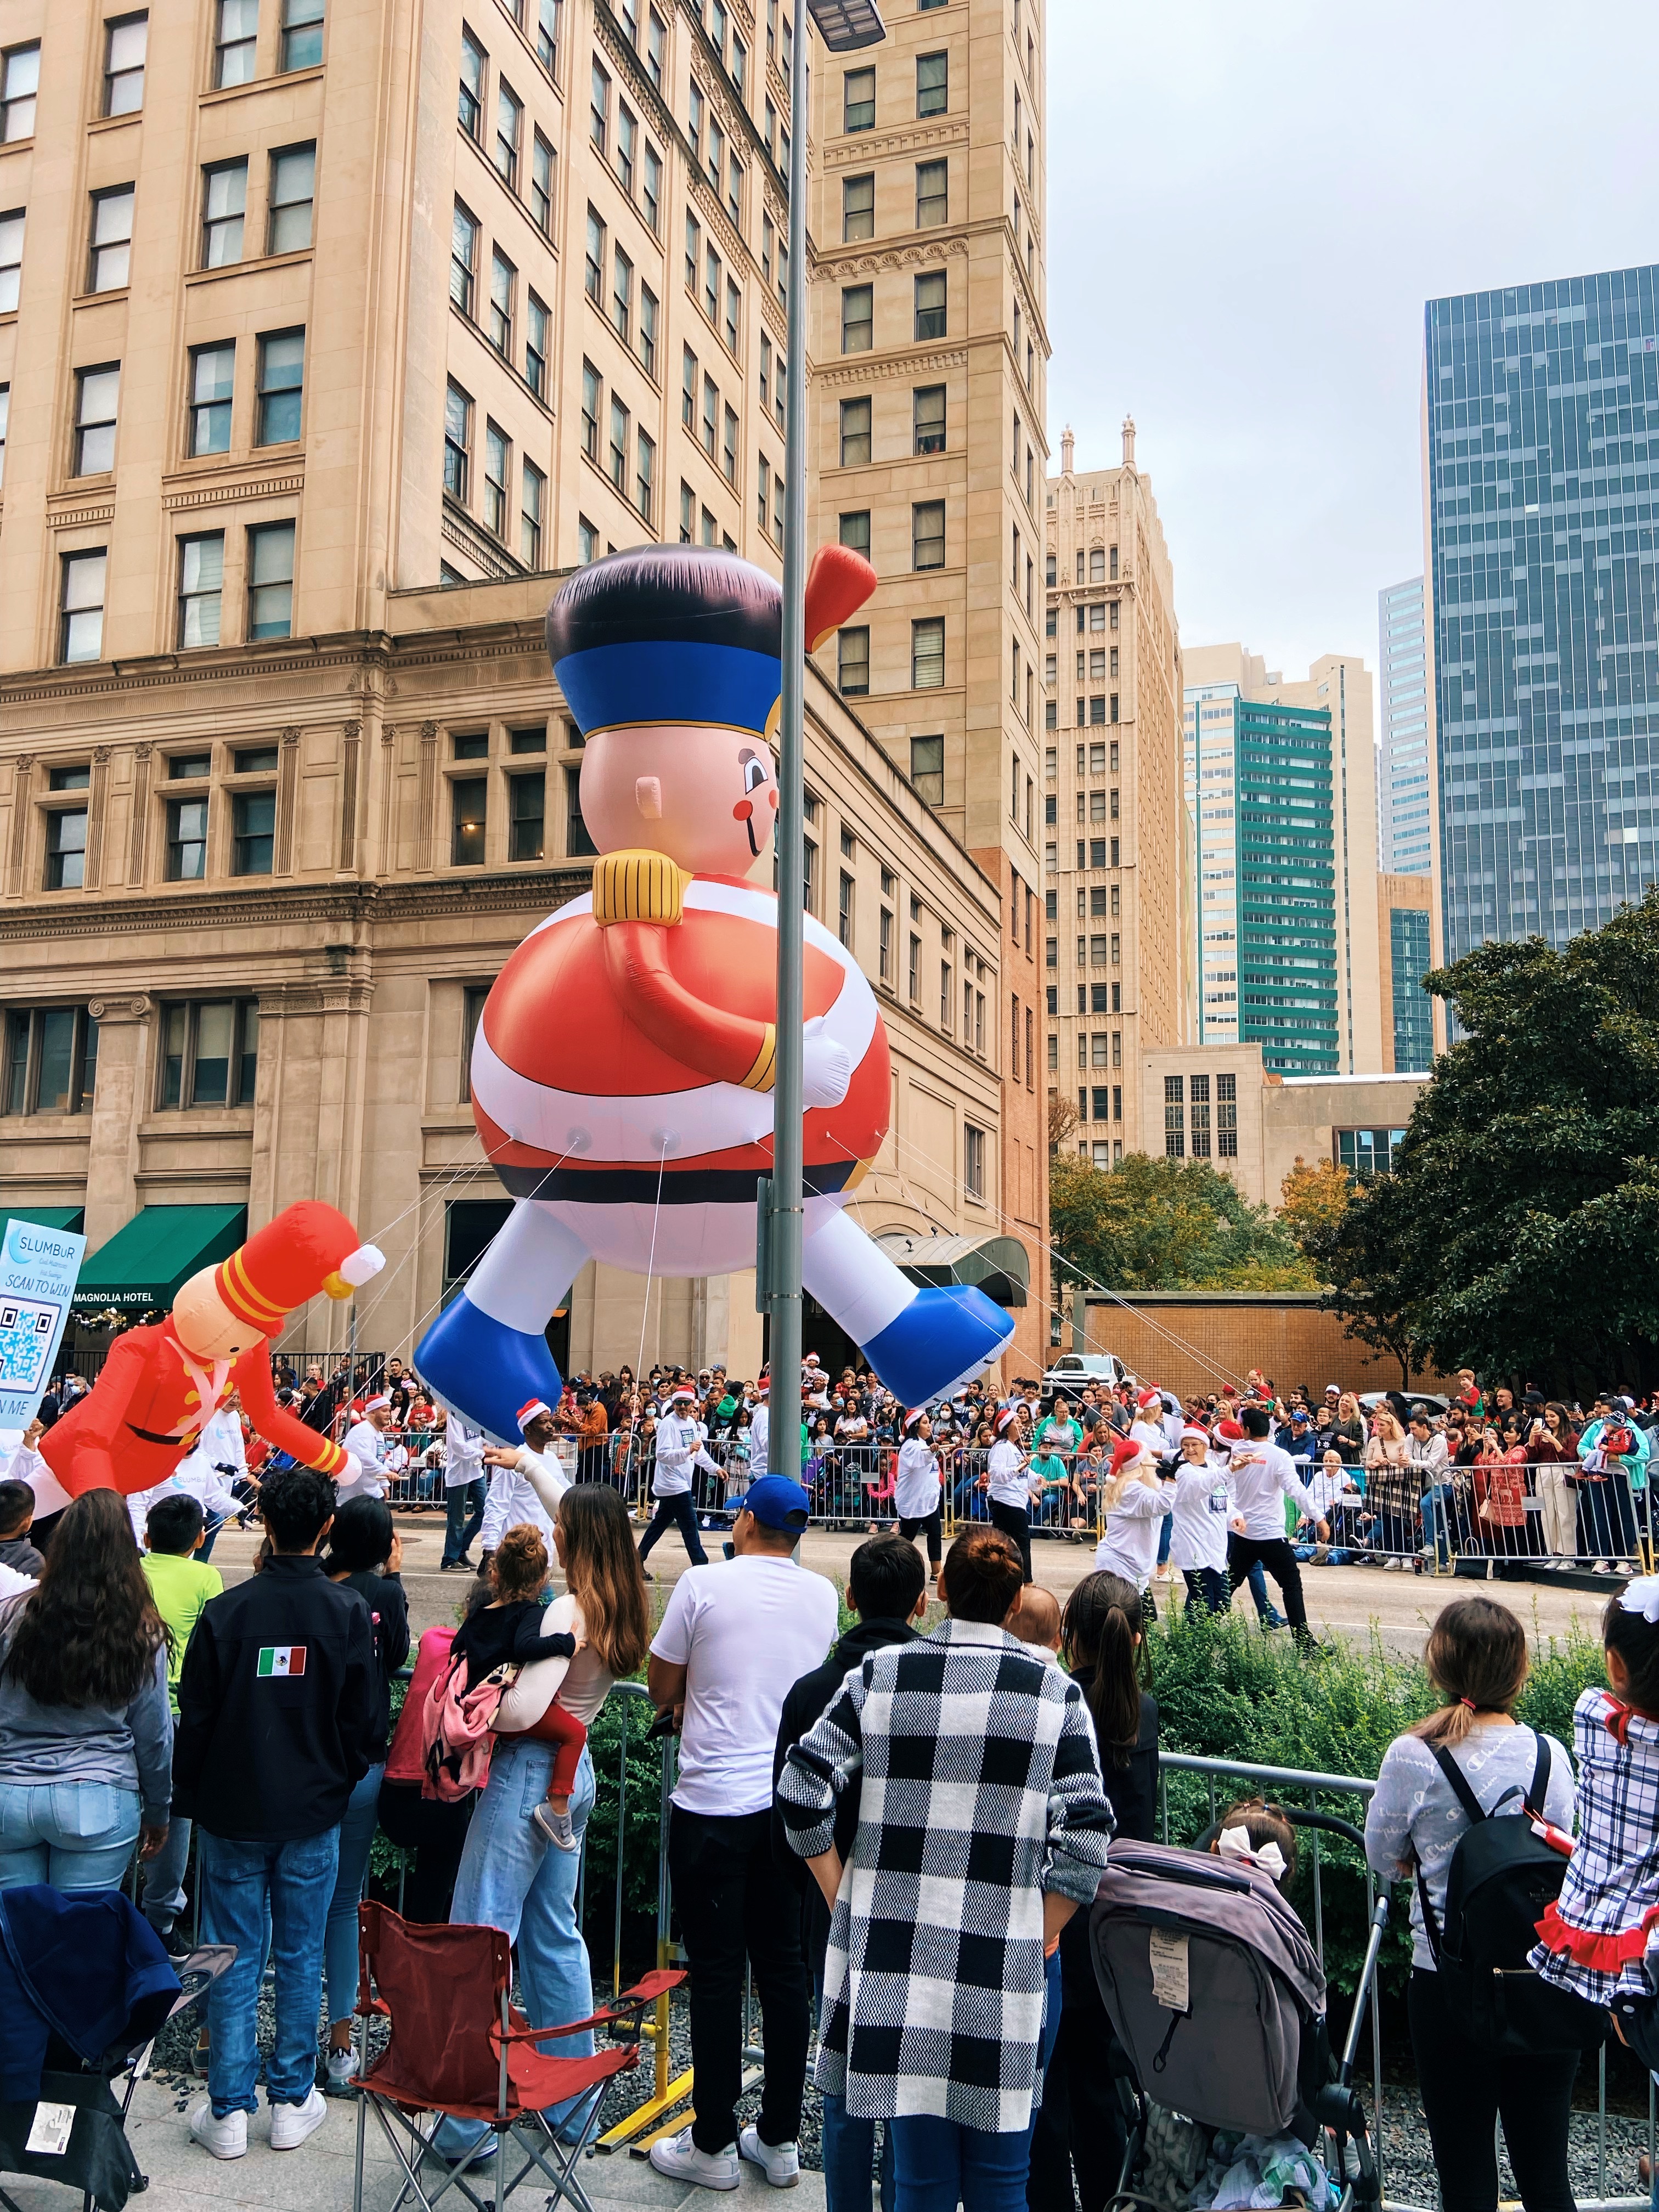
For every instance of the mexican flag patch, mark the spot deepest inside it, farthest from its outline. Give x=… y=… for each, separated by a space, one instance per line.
x=282 y=1659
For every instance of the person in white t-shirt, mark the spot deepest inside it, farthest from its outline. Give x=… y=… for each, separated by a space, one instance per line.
x=680 y=1448
x=734 y=1638
x=1264 y=1476
x=463 y=1489
x=1008 y=1484
x=760 y=1429
x=916 y=1488
x=526 y=1481
x=1204 y=1511
x=366 y=1443
x=1135 y=1502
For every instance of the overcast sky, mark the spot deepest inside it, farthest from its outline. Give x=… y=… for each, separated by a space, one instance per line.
x=1248 y=207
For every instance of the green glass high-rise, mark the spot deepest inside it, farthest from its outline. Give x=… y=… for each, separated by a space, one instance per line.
x=1286 y=863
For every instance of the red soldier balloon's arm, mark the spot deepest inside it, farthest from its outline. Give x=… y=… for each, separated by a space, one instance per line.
x=725 y=1047
x=252 y=1377
x=92 y=1466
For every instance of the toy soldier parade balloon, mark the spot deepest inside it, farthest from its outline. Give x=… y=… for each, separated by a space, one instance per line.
x=623 y=1071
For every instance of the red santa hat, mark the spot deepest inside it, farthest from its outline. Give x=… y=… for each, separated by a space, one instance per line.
x=377 y=1404
x=685 y=1395
x=1230 y=1432
x=762 y=1383
x=307 y=1248
x=533 y=1409
x=1006 y=1417
x=1125 y=1453
x=1148 y=1398
x=1192 y=1429
x=912 y=1417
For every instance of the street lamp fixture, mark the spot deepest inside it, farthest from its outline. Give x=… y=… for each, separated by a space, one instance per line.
x=845 y=26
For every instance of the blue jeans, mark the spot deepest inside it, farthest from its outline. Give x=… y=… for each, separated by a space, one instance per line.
x=939 y=2165
x=72 y=1835
x=340 y=1932
x=465 y=1501
x=1439 y=1501
x=1258 y=1582
x=295 y=1881
x=849 y=2158
x=164 y=1877
x=512 y=1878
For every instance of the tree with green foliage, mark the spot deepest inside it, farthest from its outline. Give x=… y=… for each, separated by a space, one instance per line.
x=1519 y=1231
x=1165 y=1224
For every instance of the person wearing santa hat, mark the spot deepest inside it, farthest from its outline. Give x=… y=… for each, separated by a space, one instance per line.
x=916 y=1486
x=365 y=1442
x=1204 y=1509
x=679 y=1449
x=760 y=1426
x=1135 y=1502
x=526 y=1481
x=1008 y=1485
x=1263 y=1476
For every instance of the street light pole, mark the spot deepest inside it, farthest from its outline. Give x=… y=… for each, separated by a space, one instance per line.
x=844 y=26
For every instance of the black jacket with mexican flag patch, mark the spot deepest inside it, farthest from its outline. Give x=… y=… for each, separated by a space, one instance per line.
x=278 y=1700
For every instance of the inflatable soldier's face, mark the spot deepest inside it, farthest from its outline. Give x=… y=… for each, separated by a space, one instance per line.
x=668 y=657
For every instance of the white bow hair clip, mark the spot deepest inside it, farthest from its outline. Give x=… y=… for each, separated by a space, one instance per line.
x=1235 y=1843
x=1641 y=1597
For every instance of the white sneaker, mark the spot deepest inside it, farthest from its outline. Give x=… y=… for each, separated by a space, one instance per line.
x=681 y=2159
x=291 y=2125
x=555 y=1827
x=343 y=2067
x=779 y=2162
x=225 y=2138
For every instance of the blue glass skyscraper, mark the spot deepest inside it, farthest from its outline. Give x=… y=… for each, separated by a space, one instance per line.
x=1542 y=574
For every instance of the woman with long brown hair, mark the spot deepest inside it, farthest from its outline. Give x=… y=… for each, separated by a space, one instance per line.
x=1477 y=1659
x=86 y=1731
x=511 y=1877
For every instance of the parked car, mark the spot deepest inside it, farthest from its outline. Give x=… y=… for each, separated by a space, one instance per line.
x=1072 y=1371
x=1397 y=1399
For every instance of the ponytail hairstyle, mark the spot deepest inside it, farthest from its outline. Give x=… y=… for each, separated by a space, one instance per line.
x=1636 y=1639
x=1477 y=1656
x=1100 y=1630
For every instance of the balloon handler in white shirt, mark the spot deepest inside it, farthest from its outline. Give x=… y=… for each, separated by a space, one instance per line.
x=679 y=1448
x=1010 y=1487
x=526 y=1481
x=916 y=1488
x=365 y=1442
x=1205 y=1511
x=1264 y=1476
x=1136 y=1501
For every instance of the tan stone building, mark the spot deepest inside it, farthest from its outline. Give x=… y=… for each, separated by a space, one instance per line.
x=1116 y=949
x=327 y=334
x=929 y=360
x=1405 y=939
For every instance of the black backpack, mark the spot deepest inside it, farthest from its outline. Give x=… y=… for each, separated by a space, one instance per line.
x=1501 y=1881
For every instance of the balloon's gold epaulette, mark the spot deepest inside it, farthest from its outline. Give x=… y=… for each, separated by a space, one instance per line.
x=637 y=887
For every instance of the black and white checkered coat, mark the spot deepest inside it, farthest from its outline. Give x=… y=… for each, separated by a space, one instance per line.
x=980 y=1790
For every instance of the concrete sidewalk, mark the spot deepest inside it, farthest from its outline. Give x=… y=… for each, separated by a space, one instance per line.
x=317 y=2176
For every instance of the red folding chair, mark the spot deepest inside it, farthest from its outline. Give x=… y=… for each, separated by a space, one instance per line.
x=458 y=2049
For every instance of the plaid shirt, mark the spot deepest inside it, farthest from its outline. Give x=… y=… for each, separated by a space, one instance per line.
x=1597 y=1935
x=980 y=1790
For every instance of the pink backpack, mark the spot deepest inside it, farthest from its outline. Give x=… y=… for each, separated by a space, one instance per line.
x=456 y=1741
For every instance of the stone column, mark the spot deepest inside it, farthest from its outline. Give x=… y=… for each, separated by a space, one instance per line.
x=120 y=1102
x=287 y=798
x=22 y=777
x=349 y=801
x=97 y=812
x=141 y=761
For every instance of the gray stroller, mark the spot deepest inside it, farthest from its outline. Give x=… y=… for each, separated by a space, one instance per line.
x=1216 y=1999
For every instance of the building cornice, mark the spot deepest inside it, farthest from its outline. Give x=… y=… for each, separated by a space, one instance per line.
x=913 y=138
x=422 y=899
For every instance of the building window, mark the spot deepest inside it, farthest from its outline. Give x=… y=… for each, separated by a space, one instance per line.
x=886 y=945
x=81 y=619
x=498 y=471
x=536 y=345
x=648 y=330
x=928 y=768
x=235 y=38
x=470 y=101
x=619 y=453
x=1226 y=1116
x=468 y=796
x=532 y=499
x=526 y=817
x=590 y=393
x=97 y=397
x=224 y=204
x=622 y=294
x=66 y=846
x=1198 y=1098
x=201 y=585
x=651 y=188
x=973 y=1158
x=853 y=662
x=1175 y=1133
x=588 y=542
x=11 y=258
x=645 y=475
x=929 y=413
x=854 y=433
x=711 y=401
x=844 y=910
x=209 y=1053
x=578 y=844
x=628 y=143
x=547 y=35
x=1366 y=1153
x=858 y=99
x=927 y=653
x=857 y=317
x=729 y=446
x=186 y=856
x=593 y=262
x=302 y=34
x=110 y=258
x=598 y=108
x=292 y=187
x=932 y=84
x=509 y=133
x=932 y=196
x=928 y=534
x=503 y=279
x=916 y=969
x=5 y=415
x=281 y=389
x=20 y=80
x=270 y=580
x=457 y=442
x=855 y=531
x=930 y=318
x=124 y=41
x=858 y=208
x=541 y=184
x=50 y=1060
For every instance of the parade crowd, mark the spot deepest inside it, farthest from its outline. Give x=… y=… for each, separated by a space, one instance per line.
x=832 y=1784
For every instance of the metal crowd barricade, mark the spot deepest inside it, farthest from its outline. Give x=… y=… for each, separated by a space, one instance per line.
x=1504 y=1515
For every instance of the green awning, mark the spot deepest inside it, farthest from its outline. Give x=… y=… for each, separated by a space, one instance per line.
x=45 y=1216
x=158 y=1250
x=998 y=1266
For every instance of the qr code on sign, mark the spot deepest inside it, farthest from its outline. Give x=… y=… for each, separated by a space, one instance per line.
x=26 y=1335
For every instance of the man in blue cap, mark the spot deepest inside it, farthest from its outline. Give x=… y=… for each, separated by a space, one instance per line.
x=736 y=1634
